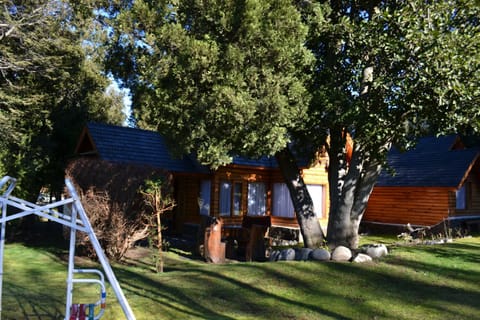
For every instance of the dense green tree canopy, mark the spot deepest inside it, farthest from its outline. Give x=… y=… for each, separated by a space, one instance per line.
x=217 y=78
x=49 y=87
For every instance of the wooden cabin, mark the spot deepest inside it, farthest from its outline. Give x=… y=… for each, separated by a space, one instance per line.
x=244 y=188
x=439 y=179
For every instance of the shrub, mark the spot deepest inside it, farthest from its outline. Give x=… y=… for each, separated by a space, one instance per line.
x=111 y=196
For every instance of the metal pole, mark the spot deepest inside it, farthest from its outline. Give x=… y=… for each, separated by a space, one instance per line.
x=3 y=204
x=2 y=245
x=71 y=265
x=101 y=255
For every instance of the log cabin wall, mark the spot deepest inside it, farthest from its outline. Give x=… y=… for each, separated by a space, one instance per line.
x=239 y=175
x=187 y=189
x=415 y=205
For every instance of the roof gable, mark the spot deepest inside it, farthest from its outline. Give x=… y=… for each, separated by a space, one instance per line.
x=433 y=162
x=131 y=145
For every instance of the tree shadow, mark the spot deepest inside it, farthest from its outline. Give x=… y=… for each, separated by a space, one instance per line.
x=31 y=305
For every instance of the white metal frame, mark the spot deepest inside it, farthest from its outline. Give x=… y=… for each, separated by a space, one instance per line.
x=77 y=221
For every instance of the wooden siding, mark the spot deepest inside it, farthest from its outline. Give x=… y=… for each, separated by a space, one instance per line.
x=422 y=205
x=414 y=205
x=188 y=187
x=241 y=175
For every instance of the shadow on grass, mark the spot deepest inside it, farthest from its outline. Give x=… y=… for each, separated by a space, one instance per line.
x=393 y=288
x=226 y=295
x=31 y=305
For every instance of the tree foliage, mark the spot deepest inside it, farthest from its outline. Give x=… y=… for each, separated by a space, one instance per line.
x=387 y=72
x=217 y=78
x=49 y=87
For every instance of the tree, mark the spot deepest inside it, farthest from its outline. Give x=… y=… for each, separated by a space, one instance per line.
x=386 y=74
x=218 y=79
x=223 y=79
x=50 y=86
x=159 y=201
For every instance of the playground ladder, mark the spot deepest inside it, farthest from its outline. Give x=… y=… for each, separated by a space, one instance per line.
x=76 y=221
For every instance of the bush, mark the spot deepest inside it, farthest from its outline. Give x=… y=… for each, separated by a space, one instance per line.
x=110 y=194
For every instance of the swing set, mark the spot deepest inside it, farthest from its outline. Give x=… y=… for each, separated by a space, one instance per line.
x=77 y=220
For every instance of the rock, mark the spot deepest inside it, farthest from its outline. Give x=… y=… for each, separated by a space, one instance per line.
x=320 y=255
x=287 y=255
x=362 y=257
x=274 y=255
x=303 y=254
x=376 y=250
x=341 y=253
x=433 y=242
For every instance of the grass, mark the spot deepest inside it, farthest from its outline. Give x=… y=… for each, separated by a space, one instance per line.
x=413 y=282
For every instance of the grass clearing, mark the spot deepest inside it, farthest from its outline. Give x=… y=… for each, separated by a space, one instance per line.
x=413 y=282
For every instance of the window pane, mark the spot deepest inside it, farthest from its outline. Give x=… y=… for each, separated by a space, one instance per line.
x=461 y=197
x=225 y=198
x=316 y=192
x=282 y=205
x=237 y=199
x=257 y=199
x=204 y=199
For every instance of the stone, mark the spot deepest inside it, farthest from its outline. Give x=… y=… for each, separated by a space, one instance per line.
x=303 y=254
x=376 y=250
x=341 y=253
x=320 y=255
x=287 y=255
x=274 y=256
x=362 y=257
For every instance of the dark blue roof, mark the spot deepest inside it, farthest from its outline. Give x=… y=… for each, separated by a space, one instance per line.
x=131 y=145
x=265 y=162
x=432 y=162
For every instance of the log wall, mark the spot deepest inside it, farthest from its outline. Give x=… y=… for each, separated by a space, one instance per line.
x=188 y=187
x=414 y=205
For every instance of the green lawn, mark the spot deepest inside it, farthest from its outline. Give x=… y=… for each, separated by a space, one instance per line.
x=417 y=282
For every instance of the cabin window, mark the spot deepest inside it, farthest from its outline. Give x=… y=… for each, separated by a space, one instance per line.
x=237 y=199
x=204 y=198
x=461 y=198
x=257 y=199
x=225 y=201
x=230 y=198
x=282 y=205
x=316 y=193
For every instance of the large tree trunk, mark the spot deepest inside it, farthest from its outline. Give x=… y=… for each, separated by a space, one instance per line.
x=302 y=202
x=350 y=187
